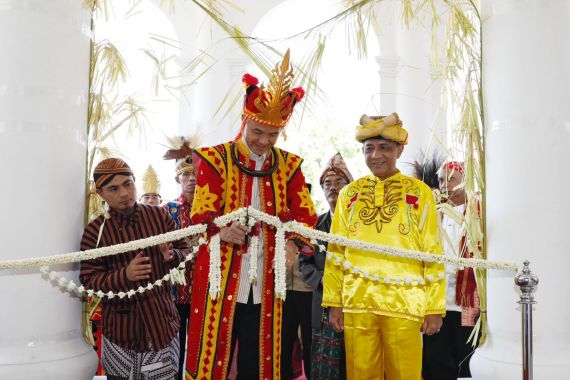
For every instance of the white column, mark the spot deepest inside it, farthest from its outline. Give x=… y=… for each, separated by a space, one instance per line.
x=44 y=74
x=526 y=73
x=407 y=84
x=388 y=69
x=418 y=91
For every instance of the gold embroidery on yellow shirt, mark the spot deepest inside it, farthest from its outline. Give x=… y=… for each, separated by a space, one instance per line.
x=376 y=211
x=412 y=213
x=354 y=228
x=204 y=200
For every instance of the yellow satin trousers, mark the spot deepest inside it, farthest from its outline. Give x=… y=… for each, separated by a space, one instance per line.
x=378 y=345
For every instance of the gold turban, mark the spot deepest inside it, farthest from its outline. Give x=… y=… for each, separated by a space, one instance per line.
x=387 y=127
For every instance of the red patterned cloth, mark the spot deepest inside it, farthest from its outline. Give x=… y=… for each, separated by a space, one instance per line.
x=180 y=212
x=183 y=296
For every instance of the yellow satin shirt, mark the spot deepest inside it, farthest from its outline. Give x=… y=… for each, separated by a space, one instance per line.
x=398 y=212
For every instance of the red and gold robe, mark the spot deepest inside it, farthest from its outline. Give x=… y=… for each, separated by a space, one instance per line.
x=221 y=187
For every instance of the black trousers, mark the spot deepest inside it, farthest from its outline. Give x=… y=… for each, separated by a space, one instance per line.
x=245 y=330
x=184 y=312
x=446 y=355
x=296 y=312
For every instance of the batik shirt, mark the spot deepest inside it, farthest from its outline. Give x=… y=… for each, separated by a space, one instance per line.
x=144 y=322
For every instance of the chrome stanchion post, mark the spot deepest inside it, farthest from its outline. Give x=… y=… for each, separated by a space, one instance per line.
x=527 y=282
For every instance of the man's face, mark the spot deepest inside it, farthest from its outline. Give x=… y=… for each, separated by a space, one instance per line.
x=260 y=138
x=120 y=193
x=449 y=182
x=332 y=186
x=187 y=181
x=381 y=156
x=151 y=199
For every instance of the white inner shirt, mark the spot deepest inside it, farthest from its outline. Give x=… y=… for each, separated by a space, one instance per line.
x=451 y=248
x=244 y=284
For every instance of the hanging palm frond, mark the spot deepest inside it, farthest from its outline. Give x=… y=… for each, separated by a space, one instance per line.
x=108 y=66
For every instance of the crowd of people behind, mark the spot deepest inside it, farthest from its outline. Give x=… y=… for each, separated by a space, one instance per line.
x=348 y=313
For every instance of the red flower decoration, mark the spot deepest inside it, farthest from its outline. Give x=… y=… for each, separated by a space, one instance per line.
x=286 y=216
x=352 y=200
x=412 y=200
x=255 y=230
x=299 y=92
x=211 y=227
x=249 y=80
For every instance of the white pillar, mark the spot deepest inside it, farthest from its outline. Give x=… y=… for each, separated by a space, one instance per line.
x=526 y=73
x=418 y=91
x=407 y=83
x=388 y=69
x=43 y=110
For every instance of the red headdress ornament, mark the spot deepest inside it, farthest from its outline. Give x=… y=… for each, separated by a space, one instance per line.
x=454 y=166
x=273 y=105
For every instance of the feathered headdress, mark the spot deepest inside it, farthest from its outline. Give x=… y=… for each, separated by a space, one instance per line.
x=426 y=168
x=181 y=150
x=273 y=105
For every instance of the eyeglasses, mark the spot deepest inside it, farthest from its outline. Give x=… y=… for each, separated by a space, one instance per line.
x=339 y=183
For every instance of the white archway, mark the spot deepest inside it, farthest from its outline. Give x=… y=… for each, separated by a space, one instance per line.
x=140 y=33
x=348 y=87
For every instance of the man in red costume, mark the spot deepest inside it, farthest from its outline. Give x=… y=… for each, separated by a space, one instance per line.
x=249 y=171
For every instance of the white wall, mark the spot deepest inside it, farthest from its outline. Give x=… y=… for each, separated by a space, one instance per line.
x=44 y=75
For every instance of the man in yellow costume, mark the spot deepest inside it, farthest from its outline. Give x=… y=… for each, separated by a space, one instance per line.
x=383 y=302
x=249 y=171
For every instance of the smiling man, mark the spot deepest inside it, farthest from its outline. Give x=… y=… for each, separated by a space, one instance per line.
x=382 y=302
x=140 y=333
x=249 y=171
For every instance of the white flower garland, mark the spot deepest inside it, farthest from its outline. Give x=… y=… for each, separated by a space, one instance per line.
x=215 y=259
x=73 y=257
x=71 y=286
x=265 y=218
x=253 y=252
x=215 y=272
x=303 y=230
x=387 y=280
x=280 y=264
